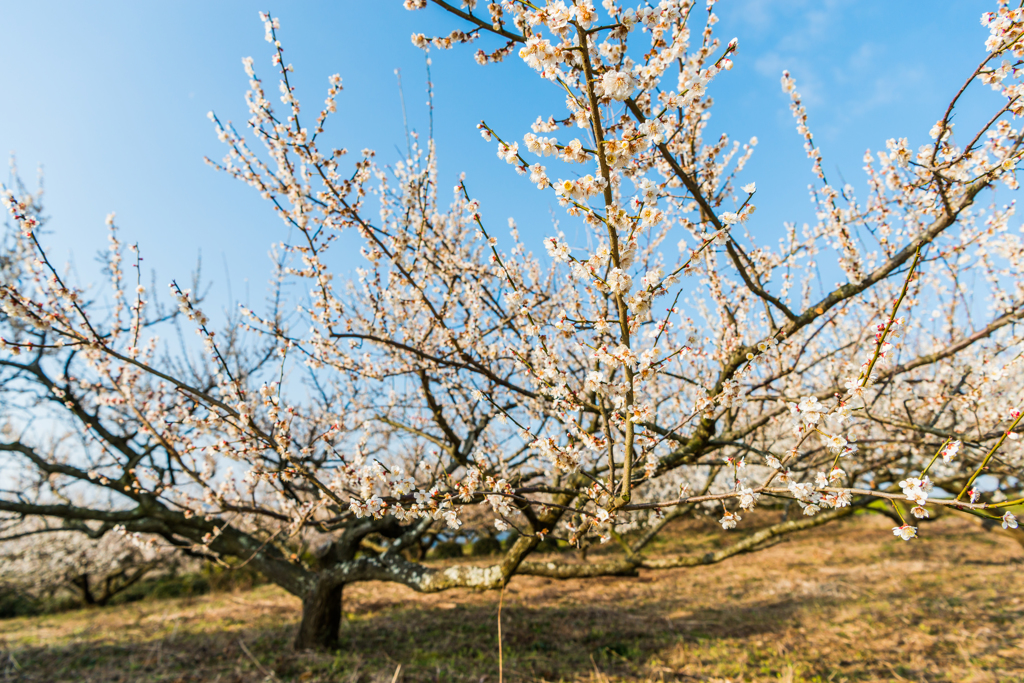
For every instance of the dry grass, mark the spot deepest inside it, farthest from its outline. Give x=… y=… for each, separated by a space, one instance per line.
x=844 y=603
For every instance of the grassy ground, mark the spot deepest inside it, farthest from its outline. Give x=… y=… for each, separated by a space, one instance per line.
x=843 y=603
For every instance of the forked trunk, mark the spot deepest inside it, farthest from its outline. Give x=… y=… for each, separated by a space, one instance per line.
x=321 y=619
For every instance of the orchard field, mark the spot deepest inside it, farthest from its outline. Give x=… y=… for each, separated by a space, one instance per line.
x=832 y=604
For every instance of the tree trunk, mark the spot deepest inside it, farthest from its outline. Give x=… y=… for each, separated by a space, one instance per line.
x=321 y=619
x=82 y=583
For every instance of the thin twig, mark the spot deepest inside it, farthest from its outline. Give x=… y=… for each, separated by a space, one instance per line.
x=501 y=667
x=263 y=669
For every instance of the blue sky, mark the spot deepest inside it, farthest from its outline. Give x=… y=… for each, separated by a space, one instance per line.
x=111 y=99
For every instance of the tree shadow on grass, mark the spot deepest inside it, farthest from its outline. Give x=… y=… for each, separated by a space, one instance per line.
x=599 y=637
x=547 y=643
x=453 y=642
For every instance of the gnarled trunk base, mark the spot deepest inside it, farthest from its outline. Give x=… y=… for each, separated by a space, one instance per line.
x=321 y=619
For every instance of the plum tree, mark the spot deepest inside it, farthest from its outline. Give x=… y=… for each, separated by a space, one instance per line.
x=595 y=391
